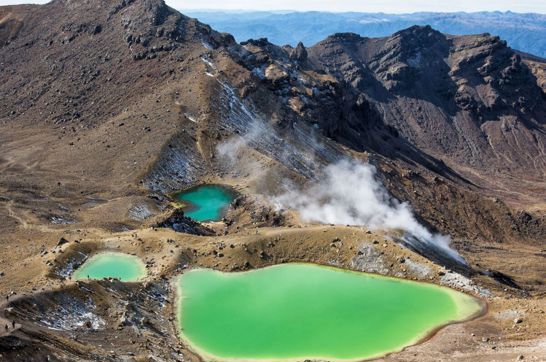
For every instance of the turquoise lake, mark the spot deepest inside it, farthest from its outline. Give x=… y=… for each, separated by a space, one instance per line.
x=206 y=202
x=297 y=312
x=125 y=267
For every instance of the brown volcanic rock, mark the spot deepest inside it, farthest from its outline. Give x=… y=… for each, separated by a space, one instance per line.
x=538 y=67
x=469 y=100
x=419 y=96
x=60 y=53
x=103 y=83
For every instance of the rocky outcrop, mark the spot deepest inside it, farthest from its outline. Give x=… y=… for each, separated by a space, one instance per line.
x=178 y=222
x=299 y=53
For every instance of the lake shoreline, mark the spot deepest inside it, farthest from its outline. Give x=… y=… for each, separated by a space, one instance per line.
x=456 y=296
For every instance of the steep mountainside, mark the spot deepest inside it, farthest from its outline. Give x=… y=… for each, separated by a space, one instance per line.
x=470 y=101
x=108 y=107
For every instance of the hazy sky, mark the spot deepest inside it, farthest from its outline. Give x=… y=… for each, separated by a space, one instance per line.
x=387 y=6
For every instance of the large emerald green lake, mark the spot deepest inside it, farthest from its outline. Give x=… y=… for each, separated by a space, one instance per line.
x=206 y=202
x=124 y=267
x=294 y=312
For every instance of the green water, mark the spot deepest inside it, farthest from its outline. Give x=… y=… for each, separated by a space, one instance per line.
x=111 y=265
x=206 y=202
x=295 y=312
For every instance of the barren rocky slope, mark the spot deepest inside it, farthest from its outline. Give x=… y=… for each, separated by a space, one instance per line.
x=108 y=107
x=470 y=101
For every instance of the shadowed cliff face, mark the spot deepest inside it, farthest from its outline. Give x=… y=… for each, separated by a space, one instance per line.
x=419 y=96
x=469 y=100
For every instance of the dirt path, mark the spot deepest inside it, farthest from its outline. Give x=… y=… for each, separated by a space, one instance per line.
x=14 y=215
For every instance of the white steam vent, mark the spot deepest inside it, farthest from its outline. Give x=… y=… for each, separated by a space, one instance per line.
x=349 y=194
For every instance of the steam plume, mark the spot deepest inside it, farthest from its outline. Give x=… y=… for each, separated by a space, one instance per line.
x=344 y=192
x=349 y=194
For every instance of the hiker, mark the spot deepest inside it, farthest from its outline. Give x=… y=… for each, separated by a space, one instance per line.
x=13 y=324
x=7 y=327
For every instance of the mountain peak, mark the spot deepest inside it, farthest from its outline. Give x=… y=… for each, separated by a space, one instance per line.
x=343 y=38
x=417 y=31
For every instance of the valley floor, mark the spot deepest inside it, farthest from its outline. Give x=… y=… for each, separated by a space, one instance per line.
x=512 y=327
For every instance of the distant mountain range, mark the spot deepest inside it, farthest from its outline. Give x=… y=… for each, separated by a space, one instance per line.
x=524 y=32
